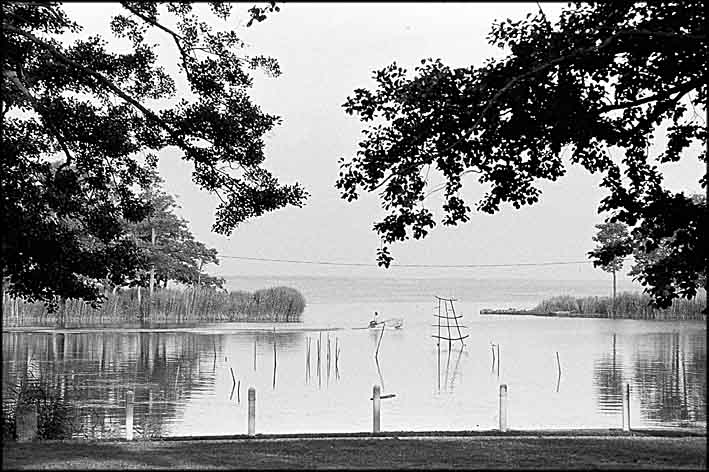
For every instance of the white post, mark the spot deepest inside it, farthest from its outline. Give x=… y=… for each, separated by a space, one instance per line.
x=252 y=411
x=503 y=407
x=129 y=415
x=376 y=408
x=626 y=410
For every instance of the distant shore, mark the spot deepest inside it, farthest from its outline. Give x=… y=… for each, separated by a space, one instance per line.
x=556 y=314
x=626 y=305
x=562 y=314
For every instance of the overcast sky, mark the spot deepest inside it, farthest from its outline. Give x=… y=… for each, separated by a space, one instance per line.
x=325 y=51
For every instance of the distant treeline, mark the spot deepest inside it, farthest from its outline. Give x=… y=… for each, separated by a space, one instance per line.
x=627 y=305
x=166 y=306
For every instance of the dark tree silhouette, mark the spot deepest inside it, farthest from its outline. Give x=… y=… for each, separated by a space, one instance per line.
x=604 y=76
x=82 y=127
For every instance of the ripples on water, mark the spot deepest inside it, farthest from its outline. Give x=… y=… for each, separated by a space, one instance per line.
x=183 y=383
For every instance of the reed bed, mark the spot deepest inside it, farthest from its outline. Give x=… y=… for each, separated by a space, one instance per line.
x=628 y=305
x=166 y=306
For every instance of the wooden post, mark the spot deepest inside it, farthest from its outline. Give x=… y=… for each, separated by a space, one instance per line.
x=26 y=422
x=626 y=422
x=252 y=411
x=503 y=407
x=376 y=409
x=129 y=415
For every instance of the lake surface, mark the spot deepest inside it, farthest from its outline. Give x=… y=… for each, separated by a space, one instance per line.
x=183 y=384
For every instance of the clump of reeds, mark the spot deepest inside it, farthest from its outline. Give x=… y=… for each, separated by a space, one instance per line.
x=191 y=305
x=54 y=413
x=627 y=305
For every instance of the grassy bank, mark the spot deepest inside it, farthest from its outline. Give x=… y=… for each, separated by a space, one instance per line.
x=166 y=306
x=627 y=305
x=476 y=452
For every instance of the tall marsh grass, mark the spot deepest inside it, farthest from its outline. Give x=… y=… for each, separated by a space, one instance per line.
x=627 y=305
x=167 y=306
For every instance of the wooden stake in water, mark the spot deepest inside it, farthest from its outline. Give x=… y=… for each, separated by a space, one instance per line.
x=129 y=415
x=626 y=422
x=337 y=358
x=307 y=358
x=503 y=407
x=376 y=409
x=376 y=354
x=319 y=363
x=252 y=411
x=328 y=358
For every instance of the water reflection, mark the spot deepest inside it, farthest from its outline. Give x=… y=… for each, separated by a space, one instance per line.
x=94 y=371
x=191 y=382
x=608 y=378
x=667 y=374
x=671 y=377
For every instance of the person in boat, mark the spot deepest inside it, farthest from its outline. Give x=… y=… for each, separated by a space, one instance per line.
x=374 y=322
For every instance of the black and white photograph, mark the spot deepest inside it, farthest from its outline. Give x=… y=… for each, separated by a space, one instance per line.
x=354 y=235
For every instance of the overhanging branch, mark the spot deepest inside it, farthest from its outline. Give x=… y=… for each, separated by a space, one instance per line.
x=112 y=87
x=53 y=130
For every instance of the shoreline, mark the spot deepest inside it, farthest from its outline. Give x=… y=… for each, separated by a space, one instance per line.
x=499 y=312
x=195 y=329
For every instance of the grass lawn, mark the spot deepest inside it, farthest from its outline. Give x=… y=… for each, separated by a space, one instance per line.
x=477 y=452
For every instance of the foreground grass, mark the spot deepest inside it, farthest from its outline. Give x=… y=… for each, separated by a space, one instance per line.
x=470 y=452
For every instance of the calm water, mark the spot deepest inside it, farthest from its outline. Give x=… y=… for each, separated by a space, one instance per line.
x=182 y=378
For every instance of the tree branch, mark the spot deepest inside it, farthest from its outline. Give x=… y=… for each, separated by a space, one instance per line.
x=658 y=111
x=685 y=87
x=440 y=187
x=53 y=130
x=132 y=101
x=578 y=52
x=176 y=37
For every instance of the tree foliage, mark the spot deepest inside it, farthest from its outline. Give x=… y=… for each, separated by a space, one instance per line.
x=173 y=254
x=605 y=76
x=82 y=126
x=613 y=246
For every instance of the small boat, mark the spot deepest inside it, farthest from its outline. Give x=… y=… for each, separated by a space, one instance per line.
x=397 y=323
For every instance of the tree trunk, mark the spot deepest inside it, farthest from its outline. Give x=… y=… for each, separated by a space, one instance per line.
x=706 y=231
x=613 y=302
x=152 y=267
